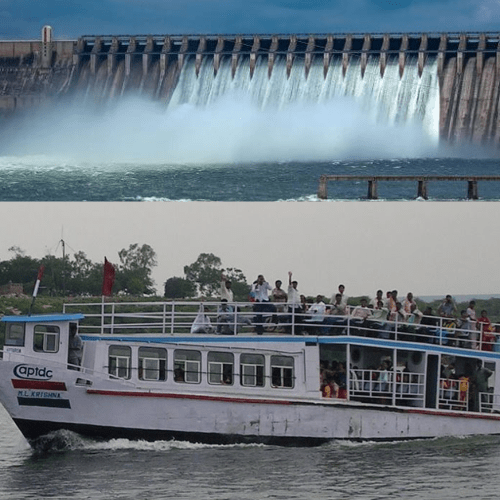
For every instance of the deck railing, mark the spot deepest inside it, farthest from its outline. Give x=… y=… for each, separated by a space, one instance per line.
x=453 y=394
x=387 y=387
x=184 y=318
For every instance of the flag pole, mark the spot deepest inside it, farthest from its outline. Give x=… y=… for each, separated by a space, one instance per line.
x=39 y=277
x=108 y=279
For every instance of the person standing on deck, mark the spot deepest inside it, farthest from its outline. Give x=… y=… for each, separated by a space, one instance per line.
x=481 y=385
x=260 y=290
x=226 y=292
x=448 y=308
x=75 y=347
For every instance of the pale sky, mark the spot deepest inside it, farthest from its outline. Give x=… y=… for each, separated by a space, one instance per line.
x=23 y=19
x=429 y=248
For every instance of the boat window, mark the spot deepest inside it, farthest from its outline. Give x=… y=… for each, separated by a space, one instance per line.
x=252 y=370
x=152 y=363
x=119 y=361
x=15 y=334
x=187 y=366
x=282 y=371
x=220 y=368
x=46 y=338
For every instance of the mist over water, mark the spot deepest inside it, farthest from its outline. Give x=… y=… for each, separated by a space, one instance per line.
x=231 y=130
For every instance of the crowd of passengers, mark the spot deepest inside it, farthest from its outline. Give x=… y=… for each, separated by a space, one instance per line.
x=372 y=385
x=466 y=388
x=379 y=317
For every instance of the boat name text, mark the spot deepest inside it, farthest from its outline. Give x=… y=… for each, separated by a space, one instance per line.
x=32 y=372
x=38 y=394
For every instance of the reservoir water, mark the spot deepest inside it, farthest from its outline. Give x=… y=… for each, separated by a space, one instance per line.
x=40 y=178
x=447 y=468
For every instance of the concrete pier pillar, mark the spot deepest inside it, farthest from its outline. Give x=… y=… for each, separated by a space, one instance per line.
x=498 y=62
x=462 y=46
x=443 y=44
x=202 y=47
x=271 y=56
x=132 y=49
x=322 y=188
x=372 y=189
x=383 y=53
x=422 y=189
x=80 y=47
x=165 y=51
x=111 y=58
x=345 y=53
x=472 y=192
x=422 y=50
x=47 y=48
x=253 y=54
x=309 y=55
x=217 y=55
x=182 y=52
x=94 y=54
x=402 y=55
x=146 y=56
x=236 y=54
x=327 y=56
x=290 y=55
x=367 y=44
x=480 y=54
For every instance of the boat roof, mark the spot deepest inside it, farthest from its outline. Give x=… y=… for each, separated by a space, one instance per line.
x=46 y=318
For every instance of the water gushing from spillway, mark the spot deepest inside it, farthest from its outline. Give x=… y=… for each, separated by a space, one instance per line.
x=388 y=99
x=215 y=118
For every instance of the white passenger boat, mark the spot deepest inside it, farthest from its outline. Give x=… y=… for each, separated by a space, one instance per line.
x=144 y=375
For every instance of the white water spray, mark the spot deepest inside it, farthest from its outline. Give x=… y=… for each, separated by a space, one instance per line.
x=218 y=119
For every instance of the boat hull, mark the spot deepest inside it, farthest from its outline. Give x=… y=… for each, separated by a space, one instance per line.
x=102 y=408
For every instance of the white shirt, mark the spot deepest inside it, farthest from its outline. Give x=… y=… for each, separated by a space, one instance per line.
x=361 y=312
x=293 y=296
x=261 y=292
x=317 y=311
x=225 y=293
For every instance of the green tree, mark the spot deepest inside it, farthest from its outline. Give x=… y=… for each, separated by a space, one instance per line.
x=179 y=288
x=205 y=272
x=85 y=276
x=19 y=269
x=133 y=275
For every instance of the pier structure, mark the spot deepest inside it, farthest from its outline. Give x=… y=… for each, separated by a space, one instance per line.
x=422 y=183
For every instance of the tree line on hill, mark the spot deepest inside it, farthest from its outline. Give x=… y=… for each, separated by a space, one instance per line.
x=78 y=275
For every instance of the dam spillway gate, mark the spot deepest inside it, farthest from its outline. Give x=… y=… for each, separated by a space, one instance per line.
x=467 y=66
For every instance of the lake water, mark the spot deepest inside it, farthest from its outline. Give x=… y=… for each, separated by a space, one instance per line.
x=45 y=178
x=447 y=468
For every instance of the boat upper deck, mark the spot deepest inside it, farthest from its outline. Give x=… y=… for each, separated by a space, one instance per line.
x=273 y=321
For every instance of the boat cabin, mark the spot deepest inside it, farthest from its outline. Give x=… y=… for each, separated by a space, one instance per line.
x=47 y=336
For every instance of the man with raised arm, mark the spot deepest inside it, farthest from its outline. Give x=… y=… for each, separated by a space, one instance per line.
x=226 y=292
x=260 y=291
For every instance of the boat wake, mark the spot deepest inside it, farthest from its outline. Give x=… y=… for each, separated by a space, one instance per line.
x=63 y=441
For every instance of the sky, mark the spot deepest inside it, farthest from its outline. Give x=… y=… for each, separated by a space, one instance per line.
x=23 y=19
x=428 y=248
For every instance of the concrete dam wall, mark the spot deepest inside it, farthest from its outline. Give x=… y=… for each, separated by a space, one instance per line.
x=409 y=75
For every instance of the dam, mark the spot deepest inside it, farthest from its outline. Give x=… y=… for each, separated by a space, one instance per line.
x=450 y=81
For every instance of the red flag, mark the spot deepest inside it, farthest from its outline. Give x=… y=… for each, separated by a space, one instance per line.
x=41 y=270
x=108 y=277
